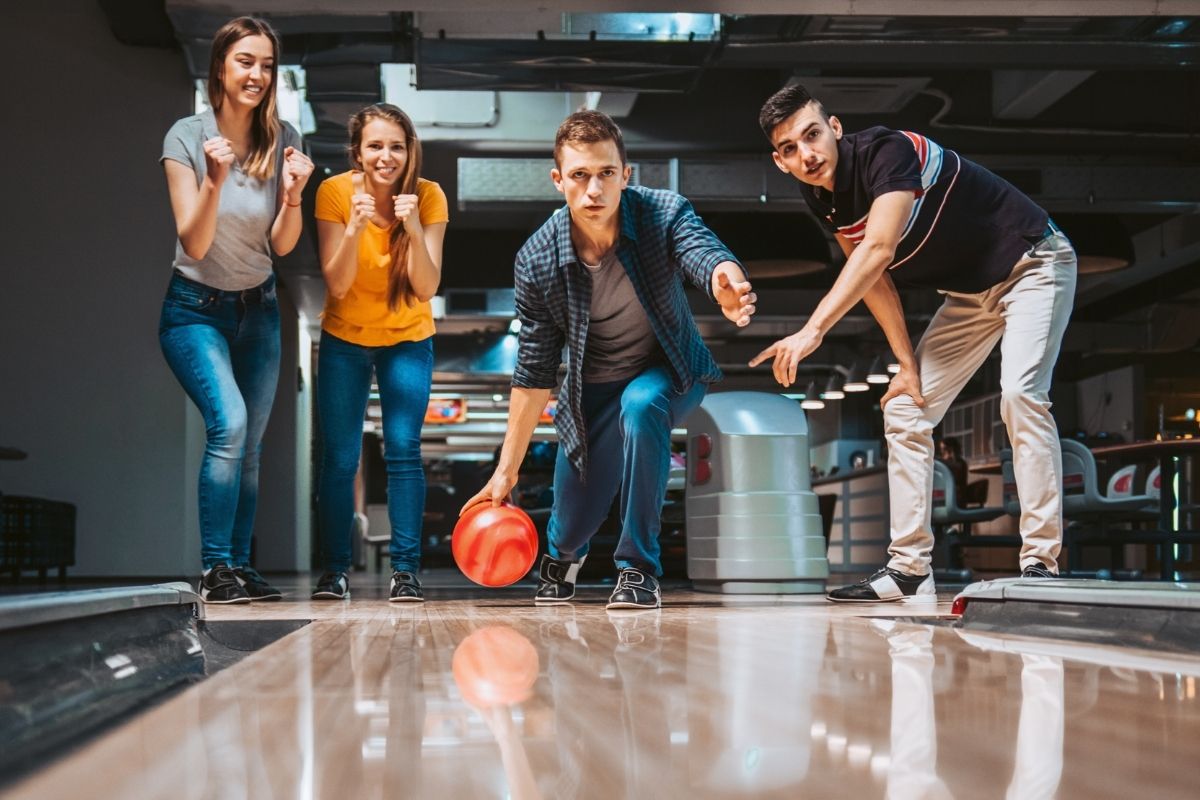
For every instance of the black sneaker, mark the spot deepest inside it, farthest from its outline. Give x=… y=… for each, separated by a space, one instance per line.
x=635 y=589
x=219 y=584
x=332 y=586
x=405 y=589
x=1037 y=571
x=887 y=586
x=556 y=580
x=255 y=585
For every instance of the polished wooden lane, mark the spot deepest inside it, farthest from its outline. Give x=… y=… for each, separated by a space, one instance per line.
x=708 y=698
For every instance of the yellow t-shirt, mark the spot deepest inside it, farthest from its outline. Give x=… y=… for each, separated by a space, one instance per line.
x=363 y=316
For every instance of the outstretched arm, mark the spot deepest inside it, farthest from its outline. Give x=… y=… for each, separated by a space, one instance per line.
x=863 y=269
x=708 y=264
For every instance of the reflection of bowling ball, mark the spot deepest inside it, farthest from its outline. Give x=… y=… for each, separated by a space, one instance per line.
x=494 y=546
x=495 y=666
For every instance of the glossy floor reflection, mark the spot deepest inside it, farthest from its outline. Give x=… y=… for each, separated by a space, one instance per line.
x=797 y=698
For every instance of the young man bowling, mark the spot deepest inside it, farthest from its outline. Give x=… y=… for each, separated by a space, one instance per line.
x=604 y=275
x=900 y=204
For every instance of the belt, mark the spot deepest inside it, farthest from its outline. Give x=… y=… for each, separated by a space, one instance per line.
x=255 y=294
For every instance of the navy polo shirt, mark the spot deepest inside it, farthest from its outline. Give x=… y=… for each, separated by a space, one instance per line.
x=968 y=228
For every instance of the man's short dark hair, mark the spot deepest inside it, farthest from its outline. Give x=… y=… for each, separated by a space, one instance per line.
x=782 y=105
x=589 y=127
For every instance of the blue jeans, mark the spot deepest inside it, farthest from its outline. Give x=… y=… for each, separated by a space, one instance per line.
x=628 y=426
x=223 y=347
x=404 y=372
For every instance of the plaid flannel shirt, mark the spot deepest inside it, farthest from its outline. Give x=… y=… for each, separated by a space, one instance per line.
x=662 y=241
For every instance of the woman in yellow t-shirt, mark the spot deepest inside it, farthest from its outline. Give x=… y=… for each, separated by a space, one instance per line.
x=380 y=227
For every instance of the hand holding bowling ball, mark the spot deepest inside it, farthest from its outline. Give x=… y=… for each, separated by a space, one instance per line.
x=494 y=546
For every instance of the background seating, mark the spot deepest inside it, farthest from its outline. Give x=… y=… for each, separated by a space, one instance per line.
x=947 y=512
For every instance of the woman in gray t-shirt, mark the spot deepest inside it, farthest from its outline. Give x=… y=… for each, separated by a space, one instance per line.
x=235 y=176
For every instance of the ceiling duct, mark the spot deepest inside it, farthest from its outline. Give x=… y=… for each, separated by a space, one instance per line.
x=588 y=66
x=513 y=180
x=550 y=51
x=879 y=95
x=546 y=24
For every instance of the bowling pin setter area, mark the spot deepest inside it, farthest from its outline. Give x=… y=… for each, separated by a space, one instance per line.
x=479 y=694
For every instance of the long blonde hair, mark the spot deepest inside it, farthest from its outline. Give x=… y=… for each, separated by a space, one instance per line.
x=264 y=126
x=399 y=285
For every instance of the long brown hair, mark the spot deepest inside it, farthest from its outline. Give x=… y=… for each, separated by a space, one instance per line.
x=399 y=286
x=264 y=126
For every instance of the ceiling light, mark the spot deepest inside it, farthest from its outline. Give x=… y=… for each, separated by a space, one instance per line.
x=812 y=400
x=833 y=389
x=856 y=381
x=877 y=373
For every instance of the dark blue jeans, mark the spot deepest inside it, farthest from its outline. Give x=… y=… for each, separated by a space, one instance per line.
x=404 y=372
x=628 y=426
x=224 y=350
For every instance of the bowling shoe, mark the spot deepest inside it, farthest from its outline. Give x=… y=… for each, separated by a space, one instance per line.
x=332 y=586
x=405 y=588
x=219 y=584
x=255 y=585
x=887 y=586
x=556 y=580
x=635 y=589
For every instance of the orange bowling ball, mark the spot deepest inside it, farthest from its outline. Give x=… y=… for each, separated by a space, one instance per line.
x=494 y=666
x=494 y=546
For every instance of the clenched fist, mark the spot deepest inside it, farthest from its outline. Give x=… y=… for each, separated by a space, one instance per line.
x=297 y=167
x=218 y=158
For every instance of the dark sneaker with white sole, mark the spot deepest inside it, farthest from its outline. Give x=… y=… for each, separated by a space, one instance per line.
x=405 y=588
x=219 y=584
x=635 y=589
x=332 y=586
x=556 y=580
x=887 y=586
x=1037 y=571
x=256 y=585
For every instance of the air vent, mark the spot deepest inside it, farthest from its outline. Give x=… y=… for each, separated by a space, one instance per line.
x=882 y=95
x=508 y=180
x=856 y=25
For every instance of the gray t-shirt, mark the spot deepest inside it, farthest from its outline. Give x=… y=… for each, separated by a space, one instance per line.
x=240 y=255
x=620 y=341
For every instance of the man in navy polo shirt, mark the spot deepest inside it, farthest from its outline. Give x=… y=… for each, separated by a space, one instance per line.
x=901 y=205
x=604 y=276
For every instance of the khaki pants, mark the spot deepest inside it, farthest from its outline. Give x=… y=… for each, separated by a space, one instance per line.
x=1027 y=313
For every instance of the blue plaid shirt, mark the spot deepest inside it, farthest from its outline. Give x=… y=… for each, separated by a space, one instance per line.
x=662 y=241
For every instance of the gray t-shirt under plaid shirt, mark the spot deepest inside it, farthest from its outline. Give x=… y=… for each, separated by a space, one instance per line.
x=620 y=341
x=240 y=254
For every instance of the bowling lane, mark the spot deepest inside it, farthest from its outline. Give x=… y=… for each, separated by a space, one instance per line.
x=492 y=697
